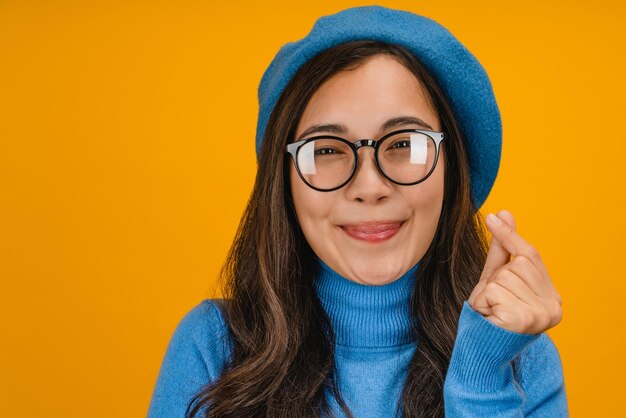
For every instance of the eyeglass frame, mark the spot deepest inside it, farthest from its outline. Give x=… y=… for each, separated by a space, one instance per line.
x=293 y=147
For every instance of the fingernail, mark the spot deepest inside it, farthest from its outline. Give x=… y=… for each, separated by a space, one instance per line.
x=493 y=219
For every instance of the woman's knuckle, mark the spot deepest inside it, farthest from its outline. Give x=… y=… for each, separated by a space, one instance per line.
x=522 y=260
x=556 y=310
x=492 y=287
x=533 y=253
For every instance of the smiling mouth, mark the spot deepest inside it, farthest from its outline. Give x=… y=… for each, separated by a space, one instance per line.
x=373 y=233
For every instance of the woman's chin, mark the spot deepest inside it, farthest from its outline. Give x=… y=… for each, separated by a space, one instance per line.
x=375 y=273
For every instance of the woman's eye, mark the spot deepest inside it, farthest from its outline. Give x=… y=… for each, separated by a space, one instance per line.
x=325 y=151
x=401 y=144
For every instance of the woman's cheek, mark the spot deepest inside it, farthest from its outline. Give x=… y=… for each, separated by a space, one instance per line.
x=313 y=212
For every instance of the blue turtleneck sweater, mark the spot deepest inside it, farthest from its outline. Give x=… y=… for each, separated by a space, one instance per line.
x=373 y=350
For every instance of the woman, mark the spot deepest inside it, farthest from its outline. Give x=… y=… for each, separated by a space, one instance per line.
x=360 y=282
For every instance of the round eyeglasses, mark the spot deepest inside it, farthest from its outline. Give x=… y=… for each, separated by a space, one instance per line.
x=406 y=157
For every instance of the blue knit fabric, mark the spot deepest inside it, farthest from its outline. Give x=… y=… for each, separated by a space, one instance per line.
x=373 y=351
x=461 y=76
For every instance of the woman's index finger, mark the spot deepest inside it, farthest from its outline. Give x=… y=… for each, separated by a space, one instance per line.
x=513 y=242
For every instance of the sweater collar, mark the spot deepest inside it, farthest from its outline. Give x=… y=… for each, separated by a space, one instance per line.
x=366 y=315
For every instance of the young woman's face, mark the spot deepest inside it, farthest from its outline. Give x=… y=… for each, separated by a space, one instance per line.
x=362 y=100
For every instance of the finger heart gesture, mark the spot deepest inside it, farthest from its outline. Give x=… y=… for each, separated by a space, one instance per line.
x=515 y=294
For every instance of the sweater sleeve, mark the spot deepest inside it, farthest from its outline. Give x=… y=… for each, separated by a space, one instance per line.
x=195 y=356
x=481 y=381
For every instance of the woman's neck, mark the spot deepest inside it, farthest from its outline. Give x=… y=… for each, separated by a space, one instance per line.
x=364 y=315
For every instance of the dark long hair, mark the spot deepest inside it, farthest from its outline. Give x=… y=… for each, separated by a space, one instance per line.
x=283 y=343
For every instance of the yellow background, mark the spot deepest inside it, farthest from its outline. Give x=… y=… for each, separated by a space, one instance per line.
x=127 y=156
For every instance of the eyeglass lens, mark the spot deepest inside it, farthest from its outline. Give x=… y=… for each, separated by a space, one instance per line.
x=406 y=157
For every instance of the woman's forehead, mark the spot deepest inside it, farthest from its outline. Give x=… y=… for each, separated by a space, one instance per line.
x=367 y=98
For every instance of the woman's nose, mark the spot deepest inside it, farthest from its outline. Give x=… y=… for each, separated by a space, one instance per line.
x=368 y=184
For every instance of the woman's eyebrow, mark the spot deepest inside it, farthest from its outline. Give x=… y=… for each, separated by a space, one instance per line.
x=404 y=120
x=341 y=129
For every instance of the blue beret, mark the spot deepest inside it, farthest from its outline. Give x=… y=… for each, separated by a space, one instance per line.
x=462 y=78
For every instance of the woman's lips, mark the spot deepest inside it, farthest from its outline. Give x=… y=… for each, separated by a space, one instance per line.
x=373 y=232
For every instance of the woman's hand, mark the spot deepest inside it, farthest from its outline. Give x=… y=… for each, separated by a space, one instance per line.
x=516 y=294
